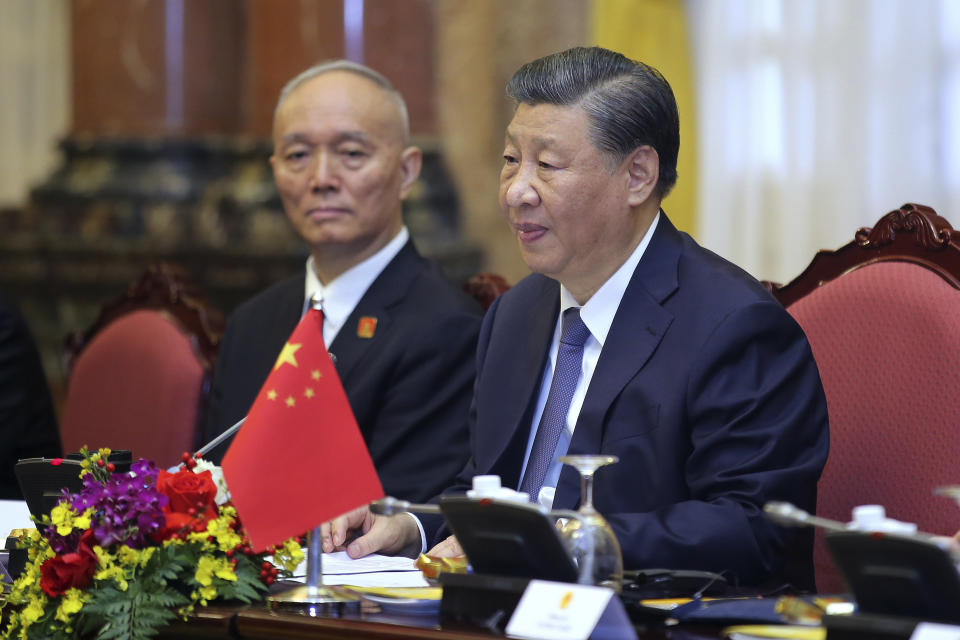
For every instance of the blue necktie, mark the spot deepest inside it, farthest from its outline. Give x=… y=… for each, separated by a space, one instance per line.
x=554 y=418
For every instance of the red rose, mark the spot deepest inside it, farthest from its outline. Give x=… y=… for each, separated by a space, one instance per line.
x=191 y=500
x=69 y=570
x=188 y=490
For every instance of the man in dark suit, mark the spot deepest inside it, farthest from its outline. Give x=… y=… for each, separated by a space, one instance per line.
x=402 y=336
x=684 y=367
x=28 y=424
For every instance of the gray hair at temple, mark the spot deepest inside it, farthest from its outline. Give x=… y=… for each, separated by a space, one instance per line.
x=350 y=67
x=629 y=104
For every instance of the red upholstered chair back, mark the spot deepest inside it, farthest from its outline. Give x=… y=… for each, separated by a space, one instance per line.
x=883 y=318
x=141 y=373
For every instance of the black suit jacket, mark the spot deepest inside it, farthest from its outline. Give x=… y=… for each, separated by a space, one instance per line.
x=28 y=425
x=705 y=389
x=409 y=385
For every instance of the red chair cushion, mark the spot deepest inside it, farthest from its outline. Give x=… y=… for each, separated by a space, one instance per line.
x=136 y=386
x=886 y=338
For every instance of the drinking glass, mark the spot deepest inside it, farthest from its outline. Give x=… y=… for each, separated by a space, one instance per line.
x=588 y=536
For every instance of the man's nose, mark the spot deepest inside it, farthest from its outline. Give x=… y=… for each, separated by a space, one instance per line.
x=520 y=189
x=324 y=175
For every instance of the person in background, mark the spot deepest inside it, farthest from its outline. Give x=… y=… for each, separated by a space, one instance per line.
x=402 y=336
x=632 y=340
x=28 y=423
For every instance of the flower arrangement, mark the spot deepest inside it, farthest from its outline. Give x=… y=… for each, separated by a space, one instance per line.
x=132 y=551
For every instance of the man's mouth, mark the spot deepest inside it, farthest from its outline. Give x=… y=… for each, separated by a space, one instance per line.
x=529 y=232
x=326 y=212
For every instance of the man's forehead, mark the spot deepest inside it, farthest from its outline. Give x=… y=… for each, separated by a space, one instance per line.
x=344 y=94
x=544 y=125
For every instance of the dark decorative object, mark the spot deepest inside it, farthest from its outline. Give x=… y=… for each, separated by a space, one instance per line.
x=485 y=287
x=912 y=233
x=168 y=288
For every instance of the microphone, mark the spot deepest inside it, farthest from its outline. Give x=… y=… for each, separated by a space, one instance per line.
x=390 y=506
x=788 y=515
x=223 y=436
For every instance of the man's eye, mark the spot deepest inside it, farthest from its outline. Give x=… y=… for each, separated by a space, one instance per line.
x=353 y=153
x=544 y=165
x=294 y=156
x=509 y=159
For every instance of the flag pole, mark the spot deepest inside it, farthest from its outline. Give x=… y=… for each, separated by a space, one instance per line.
x=314 y=598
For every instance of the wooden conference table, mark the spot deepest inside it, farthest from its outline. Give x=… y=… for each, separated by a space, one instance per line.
x=257 y=622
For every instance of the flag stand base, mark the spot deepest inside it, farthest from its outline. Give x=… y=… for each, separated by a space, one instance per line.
x=314 y=598
x=317 y=601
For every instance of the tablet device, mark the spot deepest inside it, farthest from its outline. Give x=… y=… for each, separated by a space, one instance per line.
x=508 y=538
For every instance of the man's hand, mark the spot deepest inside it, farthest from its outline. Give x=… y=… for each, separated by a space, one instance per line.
x=449 y=548
x=362 y=532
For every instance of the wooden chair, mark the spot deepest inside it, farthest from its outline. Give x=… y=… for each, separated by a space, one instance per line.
x=140 y=375
x=882 y=314
x=485 y=287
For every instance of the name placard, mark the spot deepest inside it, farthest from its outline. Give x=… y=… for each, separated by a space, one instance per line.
x=562 y=611
x=932 y=631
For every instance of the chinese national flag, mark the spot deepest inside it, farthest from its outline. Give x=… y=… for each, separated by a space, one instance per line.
x=299 y=460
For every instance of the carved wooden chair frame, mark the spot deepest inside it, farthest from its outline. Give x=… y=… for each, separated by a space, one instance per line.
x=166 y=288
x=913 y=233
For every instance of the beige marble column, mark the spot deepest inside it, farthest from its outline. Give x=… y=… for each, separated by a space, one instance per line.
x=479 y=46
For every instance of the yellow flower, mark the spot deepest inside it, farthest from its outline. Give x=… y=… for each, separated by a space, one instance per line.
x=33 y=611
x=108 y=570
x=61 y=516
x=222 y=531
x=71 y=602
x=134 y=558
x=289 y=555
x=208 y=567
x=207 y=593
x=83 y=520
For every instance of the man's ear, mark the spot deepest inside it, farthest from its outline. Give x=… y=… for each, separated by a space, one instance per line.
x=411 y=159
x=643 y=166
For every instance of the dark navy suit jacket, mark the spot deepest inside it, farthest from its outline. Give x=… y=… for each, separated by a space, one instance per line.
x=28 y=424
x=705 y=389
x=409 y=385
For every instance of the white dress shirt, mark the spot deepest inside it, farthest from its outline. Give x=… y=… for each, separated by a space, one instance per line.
x=598 y=315
x=341 y=295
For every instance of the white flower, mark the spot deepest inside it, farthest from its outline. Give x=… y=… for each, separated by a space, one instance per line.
x=223 y=494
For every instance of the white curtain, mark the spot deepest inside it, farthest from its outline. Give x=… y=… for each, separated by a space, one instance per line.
x=818 y=116
x=34 y=92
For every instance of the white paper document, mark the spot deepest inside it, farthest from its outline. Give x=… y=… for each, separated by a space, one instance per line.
x=14 y=515
x=371 y=571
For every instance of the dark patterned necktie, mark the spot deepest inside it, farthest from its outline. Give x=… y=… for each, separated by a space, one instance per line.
x=554 y=418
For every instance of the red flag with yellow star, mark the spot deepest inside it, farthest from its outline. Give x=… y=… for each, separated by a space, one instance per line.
x=299 y=460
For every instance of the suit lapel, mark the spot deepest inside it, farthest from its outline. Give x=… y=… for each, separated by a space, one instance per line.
x=518 y=383
x=387 y=290
x=638 y=327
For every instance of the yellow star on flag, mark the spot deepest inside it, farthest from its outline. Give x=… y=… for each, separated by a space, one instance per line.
x=308 y=392
x=291 y=401
x=287 y=355
x=315 y=374
x=272 y=394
